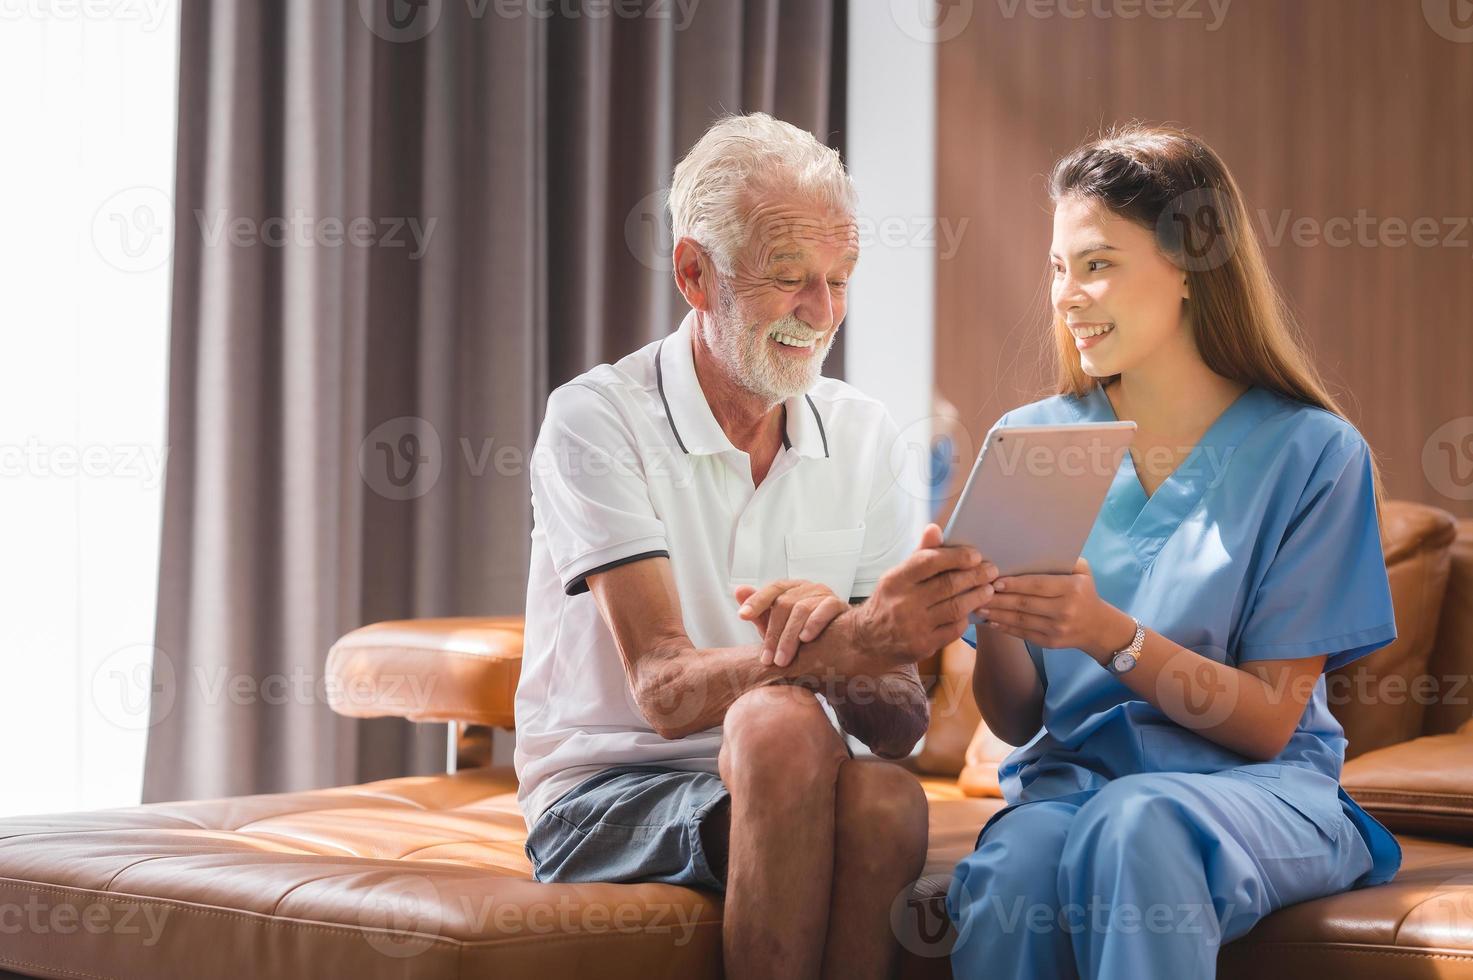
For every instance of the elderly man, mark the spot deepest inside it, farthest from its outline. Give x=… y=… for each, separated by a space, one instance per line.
x=706 y=510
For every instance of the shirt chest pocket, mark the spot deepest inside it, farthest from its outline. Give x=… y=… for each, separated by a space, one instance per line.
x=830 y=558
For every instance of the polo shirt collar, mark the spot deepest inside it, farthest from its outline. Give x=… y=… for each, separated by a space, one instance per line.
x=689 y=414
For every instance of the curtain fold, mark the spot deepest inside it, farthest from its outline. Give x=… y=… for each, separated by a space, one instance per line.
x=397 y=227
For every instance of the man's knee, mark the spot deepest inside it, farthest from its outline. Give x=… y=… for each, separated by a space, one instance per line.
x=778 y=734
x=881 y=815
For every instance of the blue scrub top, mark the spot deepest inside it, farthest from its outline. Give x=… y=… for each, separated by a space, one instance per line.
x=1262 y=545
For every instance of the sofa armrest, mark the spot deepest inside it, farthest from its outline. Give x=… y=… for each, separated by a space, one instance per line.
x=461 y=669
x=1424 y=786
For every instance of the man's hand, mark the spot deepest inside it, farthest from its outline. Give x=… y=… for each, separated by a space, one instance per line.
x=788 y=612
x=925 y=602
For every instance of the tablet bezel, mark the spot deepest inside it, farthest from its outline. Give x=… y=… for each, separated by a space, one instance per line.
x=1057 y=538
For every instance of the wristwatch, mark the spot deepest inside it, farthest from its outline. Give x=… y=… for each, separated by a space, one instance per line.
x=1123 y=661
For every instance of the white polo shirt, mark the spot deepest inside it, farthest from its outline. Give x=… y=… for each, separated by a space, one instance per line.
x=630 y=464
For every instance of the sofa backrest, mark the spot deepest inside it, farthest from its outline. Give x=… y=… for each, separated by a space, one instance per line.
x=1452 y=653
x=1384 y=698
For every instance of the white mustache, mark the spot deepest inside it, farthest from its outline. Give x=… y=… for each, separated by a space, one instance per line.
x=794 y=327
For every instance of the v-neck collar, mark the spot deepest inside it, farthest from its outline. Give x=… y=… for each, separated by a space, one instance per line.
x=1148 y=521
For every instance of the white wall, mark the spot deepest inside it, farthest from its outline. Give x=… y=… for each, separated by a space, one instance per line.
x=88 y=124
x=891 y=151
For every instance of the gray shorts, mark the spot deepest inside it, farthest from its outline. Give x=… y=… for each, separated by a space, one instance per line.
x=632 y=823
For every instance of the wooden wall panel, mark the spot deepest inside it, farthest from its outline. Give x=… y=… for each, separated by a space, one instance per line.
x=1322 y=108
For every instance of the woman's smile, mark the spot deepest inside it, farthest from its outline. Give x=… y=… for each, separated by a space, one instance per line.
x=1086 y=335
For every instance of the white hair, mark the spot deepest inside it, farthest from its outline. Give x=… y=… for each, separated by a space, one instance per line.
x=740 y=156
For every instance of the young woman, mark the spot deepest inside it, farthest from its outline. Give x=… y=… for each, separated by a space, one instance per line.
x=1180 y=777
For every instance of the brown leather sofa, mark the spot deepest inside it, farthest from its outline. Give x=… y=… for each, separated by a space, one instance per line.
x=424 y=876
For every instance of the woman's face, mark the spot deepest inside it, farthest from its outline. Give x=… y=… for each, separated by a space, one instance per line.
x=1120 y=297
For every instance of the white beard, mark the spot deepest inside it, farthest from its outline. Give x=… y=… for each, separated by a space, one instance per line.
x=742 y=348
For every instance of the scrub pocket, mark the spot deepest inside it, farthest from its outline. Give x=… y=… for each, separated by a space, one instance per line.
x=1308 y=793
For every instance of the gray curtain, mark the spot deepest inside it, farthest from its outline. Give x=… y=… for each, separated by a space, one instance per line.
x=399 y=223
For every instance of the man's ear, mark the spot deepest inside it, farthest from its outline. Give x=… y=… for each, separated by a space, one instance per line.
x=695 y=275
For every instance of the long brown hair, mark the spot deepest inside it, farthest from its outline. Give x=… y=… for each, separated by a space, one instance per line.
x=1175 y=186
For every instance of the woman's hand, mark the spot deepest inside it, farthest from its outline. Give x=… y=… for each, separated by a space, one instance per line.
x=788 y=612
x=1059 y=612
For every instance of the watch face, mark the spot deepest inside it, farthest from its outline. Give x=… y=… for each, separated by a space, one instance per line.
x=1122 y=662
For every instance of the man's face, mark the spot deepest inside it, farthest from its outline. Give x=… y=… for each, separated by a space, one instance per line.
x=777 y=313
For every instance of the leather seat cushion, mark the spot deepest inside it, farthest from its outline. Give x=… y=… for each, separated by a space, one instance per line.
x=425 y=877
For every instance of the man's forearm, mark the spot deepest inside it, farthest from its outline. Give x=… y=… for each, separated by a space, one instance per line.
x=889 y=712
x=682 y=689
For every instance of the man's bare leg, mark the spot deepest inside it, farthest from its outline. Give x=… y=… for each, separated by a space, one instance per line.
x=780 y=759
x=880 y=838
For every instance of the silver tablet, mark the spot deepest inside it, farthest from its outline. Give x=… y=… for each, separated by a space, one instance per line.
x=1035 y=491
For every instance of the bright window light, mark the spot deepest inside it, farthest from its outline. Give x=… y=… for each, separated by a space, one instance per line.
x=87 y=173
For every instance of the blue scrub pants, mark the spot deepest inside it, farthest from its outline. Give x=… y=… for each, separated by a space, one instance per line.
x=1145 y=877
